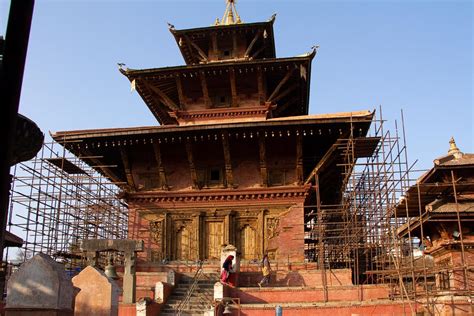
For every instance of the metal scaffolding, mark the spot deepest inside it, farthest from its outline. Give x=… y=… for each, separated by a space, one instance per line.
x=57 y=200
x=362 y=233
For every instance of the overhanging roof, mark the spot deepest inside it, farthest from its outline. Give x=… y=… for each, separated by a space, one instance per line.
x=160 y=90
x=201 y=37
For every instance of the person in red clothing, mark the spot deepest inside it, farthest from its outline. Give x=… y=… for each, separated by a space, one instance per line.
x=226 y=268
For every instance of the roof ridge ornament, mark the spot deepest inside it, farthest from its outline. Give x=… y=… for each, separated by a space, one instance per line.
x=229 y=14
x=453 y=149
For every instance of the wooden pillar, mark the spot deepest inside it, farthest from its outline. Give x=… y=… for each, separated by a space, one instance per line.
x=215 y=49
x=261 y=233
x=161 y=169
x=127 y=168
x=196 y=235
x=299 y=158
x=205 y=91
x=263 y=159
x=166 y=240
x=233 y=88
x=192 y=167
x=261 y=86
x=227 y=228
x=228 y=161
x=181 y=96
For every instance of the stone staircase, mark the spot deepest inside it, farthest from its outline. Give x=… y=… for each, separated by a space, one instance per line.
x=200 y=300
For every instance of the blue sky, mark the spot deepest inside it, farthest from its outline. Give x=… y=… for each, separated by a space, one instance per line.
x=410 y=55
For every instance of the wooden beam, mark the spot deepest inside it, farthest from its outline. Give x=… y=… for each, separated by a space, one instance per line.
x=192 y=167
x=299 y=158
x=205 y=92
x=263 y=159
x=233 y=87
x=198 y=49
x=285 y=92
x=161 y=168
x=280 y=85
x=181 y=97
x=252 y=43
x=261 y=87
x=162 y=96
x=127 y=168
x=227 y=160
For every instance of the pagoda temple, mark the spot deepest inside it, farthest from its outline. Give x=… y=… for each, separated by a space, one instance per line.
x=234 y=154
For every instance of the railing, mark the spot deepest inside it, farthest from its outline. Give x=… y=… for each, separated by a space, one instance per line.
x=185 y=302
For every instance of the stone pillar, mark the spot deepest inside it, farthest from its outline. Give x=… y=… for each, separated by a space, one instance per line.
x=98 y=295
x=41 y=285
x=129 y=278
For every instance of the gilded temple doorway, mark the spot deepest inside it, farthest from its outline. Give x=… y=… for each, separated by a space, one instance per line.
x=183 y=244
x=248 y=242
x=214 y=239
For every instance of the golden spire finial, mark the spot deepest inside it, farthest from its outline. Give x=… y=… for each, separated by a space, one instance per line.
x=453 y=149
x=229 y=14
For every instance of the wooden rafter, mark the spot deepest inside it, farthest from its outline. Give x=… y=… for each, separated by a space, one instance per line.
x=192 y=166
x=233 y=87
x=227 y=160
x=252 y=43
x=127 y=168
x=263 y=160
x=299 y=158
x=261 y=86
x=280 y=85
x=161 y=168
x=162 y=96
x=205 y=91
x=181 y=97
x=198 y=49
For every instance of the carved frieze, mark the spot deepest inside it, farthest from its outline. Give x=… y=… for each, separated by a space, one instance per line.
x=156 y=231
x=272 y=227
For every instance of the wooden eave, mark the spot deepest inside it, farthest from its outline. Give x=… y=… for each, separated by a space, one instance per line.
x=100 y=148
x=147 y=81
x=303 y=120
x=202 y=35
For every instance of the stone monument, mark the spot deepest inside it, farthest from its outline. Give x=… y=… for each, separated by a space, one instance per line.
x=41 y=285
x=98 y=294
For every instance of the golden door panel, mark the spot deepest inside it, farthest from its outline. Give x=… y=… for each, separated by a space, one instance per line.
x=248 y=243
x=183 y=242
x=214 y=238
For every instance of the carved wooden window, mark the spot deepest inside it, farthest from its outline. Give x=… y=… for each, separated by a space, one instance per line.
x=210 y=177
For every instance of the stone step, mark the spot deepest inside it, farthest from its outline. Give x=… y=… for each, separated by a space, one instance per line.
x=173 y=301
x=170 y=311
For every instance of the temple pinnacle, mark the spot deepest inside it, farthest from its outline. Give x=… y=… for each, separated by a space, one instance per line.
x=453 y=149
x=230 y=15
